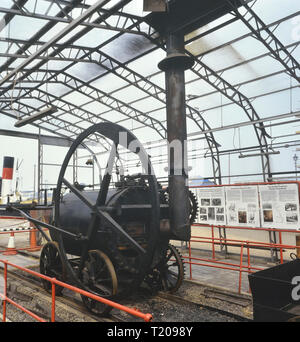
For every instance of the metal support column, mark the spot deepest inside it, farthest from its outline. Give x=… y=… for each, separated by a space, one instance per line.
x=40 y=167
x=223 y=237
x=174 y=66
x=273 y=251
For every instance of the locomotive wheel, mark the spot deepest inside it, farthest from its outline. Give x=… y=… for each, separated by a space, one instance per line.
x=51 y=265
x=99 y=276
x=169 y=273
x=172 y=270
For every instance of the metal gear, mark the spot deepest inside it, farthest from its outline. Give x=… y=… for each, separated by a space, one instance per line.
x=194 y=207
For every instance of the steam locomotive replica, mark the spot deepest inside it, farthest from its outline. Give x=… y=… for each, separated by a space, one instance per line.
x=110 y=241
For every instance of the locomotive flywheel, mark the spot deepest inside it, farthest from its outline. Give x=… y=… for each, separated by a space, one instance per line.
x=120 y=222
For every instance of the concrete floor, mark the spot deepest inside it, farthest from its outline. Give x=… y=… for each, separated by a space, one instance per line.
x=218 y=277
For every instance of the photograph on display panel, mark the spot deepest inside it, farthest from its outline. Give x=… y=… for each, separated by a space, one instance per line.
x=242 y=206
x=280 y=205
x=211 y=205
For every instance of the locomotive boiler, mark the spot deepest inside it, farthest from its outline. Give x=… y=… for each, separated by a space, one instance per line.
x=111 y=240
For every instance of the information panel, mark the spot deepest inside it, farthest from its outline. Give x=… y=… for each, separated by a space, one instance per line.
x=211 y=205
x=279 y=205
x=242 y=207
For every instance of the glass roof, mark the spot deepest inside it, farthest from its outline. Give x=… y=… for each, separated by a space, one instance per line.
x=106 y=69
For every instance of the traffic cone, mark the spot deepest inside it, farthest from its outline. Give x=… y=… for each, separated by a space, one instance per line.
x=11 y=248
x=33 y=244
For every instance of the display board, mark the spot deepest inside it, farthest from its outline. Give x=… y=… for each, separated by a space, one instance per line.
x=279 y=206
x=267 y=205
x=242 y=206
x=211 y=202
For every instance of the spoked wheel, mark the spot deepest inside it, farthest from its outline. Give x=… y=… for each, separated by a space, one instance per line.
x=51 y=265
x=168 y=274
x=172 y=270
x=100 y=277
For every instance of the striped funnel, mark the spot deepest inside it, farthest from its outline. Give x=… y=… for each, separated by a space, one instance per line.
x=7 y=176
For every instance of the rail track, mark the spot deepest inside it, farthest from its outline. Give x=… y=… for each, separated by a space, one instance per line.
x=180 y=300
x=26 y=290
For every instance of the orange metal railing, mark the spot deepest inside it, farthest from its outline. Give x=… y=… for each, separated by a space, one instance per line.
x=240 y=267
x=280 y=245
x=33 y=246
x=135 y=312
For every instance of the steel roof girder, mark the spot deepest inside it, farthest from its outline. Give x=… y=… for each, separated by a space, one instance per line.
x=112 y=102
x=147 y=86
x=55 y=19
x=261 y=32
x=55 y=39
x=220 y=84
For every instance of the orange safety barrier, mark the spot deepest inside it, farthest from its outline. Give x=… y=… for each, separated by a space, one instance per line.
x=223 y=265
x=32 y=240
x=134 y=312
x=242 y=244
x=280 y=246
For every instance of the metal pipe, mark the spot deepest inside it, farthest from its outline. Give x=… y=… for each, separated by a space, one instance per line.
x=174 y=66
x=36 y=116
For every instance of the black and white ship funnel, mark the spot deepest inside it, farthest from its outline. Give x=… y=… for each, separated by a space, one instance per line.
x=7 y=176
